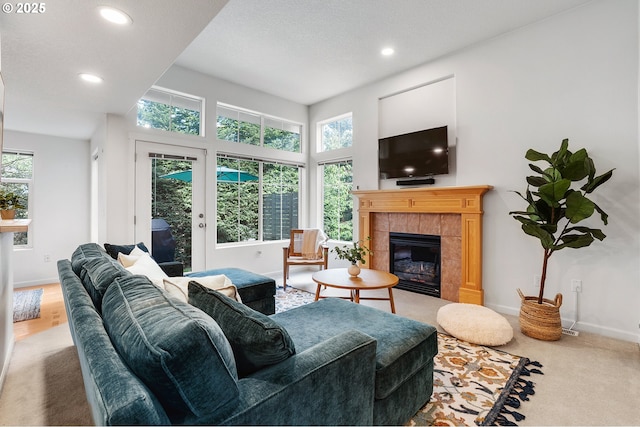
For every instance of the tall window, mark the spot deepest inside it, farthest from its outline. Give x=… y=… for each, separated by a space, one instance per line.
x=337 y=200
x=171 y=111
x=280 y=188
x=237 y=200
x=256 y=200
x=247 y=127
x=336 y=133
x=337 y=177
x=17 y=178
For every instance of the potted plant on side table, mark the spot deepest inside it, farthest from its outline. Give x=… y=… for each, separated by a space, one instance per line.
x=354 y=254
x=554 y=208
x=9 y=202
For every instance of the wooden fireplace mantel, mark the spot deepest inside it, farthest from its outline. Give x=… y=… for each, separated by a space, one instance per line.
x=466 y=201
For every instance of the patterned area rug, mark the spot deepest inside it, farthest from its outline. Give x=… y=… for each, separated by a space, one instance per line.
x=26 y=304
x=473 y=384
x=291 y=298
x=476 y=385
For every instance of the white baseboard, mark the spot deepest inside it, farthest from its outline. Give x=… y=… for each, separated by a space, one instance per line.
x=579 y=326
x=39 y=282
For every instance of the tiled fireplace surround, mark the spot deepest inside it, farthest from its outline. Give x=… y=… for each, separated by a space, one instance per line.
x=445 y=225
x=454 y=213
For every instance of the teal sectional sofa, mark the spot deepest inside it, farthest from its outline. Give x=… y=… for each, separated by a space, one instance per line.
x=150 y=359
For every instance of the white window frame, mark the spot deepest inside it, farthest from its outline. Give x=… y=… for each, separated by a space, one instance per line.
x=29 y=182
x=174 y=95
x=320 y=134
x=261 y=161
x=321 y=170
x=264 y=120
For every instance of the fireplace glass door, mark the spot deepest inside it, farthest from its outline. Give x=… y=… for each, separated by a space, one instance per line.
x=415 y=259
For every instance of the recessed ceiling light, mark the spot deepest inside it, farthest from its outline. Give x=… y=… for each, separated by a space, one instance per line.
x=91 y=78
x=115 y=16
x=387 y=51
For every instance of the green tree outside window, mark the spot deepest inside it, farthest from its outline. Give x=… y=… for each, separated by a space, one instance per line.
x=338 y=201
x=17 y=177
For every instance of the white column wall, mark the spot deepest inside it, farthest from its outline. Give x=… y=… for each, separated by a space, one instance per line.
x=60 y=204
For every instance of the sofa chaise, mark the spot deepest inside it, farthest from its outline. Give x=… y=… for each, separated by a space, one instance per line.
x=149 y=359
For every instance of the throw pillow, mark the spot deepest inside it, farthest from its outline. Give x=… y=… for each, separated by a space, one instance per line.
x=83 y=253
x=114 y=250
x=178 y=286
x=178 y=351
x=146 y=266
x=97 y=275
x=257 y=340
x=129 y=260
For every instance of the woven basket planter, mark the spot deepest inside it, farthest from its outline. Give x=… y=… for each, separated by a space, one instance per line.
x=541 y=321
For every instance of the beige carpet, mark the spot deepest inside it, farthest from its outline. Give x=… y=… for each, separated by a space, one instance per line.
x=43 y=384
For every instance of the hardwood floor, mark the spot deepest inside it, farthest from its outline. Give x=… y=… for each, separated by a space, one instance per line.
x=52 y=312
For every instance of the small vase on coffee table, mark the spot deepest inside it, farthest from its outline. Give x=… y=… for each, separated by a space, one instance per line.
x=354 y=270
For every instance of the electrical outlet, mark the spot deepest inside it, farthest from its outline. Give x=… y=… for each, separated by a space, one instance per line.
x=576 y=285
x=571 y=332
x=47 y=258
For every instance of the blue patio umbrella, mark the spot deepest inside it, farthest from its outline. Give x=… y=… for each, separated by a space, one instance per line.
x=223 y=174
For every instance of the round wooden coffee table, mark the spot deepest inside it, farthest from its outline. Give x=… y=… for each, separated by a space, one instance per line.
x=367 y=280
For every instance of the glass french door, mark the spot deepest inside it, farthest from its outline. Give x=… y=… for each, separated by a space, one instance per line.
x=170 y=203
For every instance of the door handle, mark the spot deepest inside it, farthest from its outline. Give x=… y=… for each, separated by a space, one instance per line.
x=201 y=225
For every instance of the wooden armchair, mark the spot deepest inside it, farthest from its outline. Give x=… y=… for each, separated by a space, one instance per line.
x=292 y=255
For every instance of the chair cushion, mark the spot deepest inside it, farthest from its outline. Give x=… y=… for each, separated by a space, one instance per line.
x=404 y=346
x=114 y=250
x=179 y=352
x=257 y=341
x=475 y=324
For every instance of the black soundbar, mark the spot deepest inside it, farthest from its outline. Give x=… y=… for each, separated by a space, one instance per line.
x=423 y=181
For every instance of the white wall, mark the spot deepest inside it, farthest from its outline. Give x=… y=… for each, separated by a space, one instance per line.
x=571 y=76
x=425 y=107
x=60 y=204
x=117 y=139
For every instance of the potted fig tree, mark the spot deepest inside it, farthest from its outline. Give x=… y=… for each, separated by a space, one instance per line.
x=557 y=202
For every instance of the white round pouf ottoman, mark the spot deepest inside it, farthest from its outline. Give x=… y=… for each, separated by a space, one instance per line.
x=475 y=323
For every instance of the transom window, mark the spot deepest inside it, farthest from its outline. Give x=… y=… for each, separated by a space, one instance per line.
x=17 y=178
x=251 y=189
x=246 y=127
x=336 y=133
x=172 y=111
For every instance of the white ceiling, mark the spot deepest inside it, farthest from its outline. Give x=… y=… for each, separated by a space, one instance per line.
x=311 y=50
x=42 y=55
x=305 y=51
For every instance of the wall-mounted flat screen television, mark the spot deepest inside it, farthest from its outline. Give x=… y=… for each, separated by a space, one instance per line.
x=422 y=153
